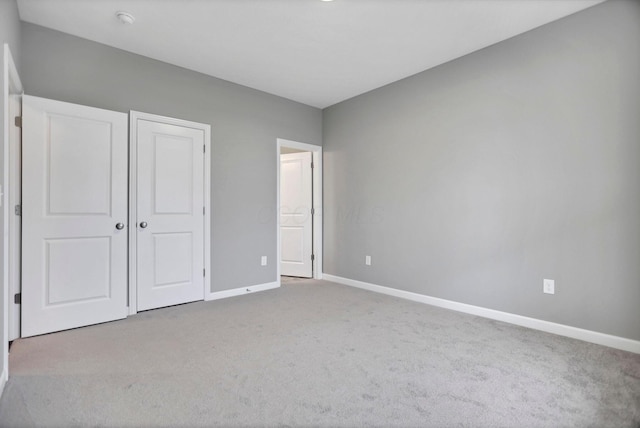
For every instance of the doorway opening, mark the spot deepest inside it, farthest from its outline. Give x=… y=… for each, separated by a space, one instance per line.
x=299 y=210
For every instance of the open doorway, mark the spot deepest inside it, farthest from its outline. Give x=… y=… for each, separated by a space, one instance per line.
x=299 y=205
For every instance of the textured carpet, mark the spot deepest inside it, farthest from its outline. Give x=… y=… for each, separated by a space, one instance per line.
x=314 y=353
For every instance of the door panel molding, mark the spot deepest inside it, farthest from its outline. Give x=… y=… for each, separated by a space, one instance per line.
x=134 y=120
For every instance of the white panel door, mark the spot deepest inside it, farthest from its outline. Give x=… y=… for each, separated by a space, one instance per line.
x=170 y=214
x=74 y=214
x=296 y=224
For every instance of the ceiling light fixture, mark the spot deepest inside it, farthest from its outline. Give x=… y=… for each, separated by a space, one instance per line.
x=125 y=17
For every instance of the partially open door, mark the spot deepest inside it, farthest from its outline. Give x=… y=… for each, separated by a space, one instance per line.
x=296 y=219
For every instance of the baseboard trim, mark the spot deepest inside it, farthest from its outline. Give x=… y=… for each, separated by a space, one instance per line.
x=533 y=323
x=240 y=291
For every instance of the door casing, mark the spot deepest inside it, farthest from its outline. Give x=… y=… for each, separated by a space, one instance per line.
x=13 y=136
x=134 y=117
x=316 y=152
x=11 y=86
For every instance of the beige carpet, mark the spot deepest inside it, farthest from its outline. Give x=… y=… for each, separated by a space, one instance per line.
x=314 y=353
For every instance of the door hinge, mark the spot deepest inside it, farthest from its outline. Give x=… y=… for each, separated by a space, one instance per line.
x=18 y=210
x=313 y=257
x=204 y=148
x=17 y=298
x=204 y=272
x=203 y=211
x=18 y=121
x=313 y=211
x=312 y=165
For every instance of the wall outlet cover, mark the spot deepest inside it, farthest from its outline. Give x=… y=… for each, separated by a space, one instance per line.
x=367 y=260
x=549 y=286
x=263 y=261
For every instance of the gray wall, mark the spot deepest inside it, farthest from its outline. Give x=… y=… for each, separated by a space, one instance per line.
x=245 y=124
x=475 y=180
x=9 y=33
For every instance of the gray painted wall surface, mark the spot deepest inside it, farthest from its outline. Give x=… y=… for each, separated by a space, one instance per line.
x=475 y=180
x=245 y=124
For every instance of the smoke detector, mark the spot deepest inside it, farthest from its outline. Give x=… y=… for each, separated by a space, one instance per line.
x=125 y=17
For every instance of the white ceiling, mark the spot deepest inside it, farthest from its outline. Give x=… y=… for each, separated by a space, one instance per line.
x=318 y=53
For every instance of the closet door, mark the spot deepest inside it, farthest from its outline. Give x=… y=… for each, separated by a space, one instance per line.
x=74 y=215
x=169 y=214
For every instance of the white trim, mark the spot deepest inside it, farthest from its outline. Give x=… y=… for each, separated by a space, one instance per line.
x=208 y=210
x=3 y=381
x=241 y=291
x=133 y=214
x=533 y=323
x=316 y=151
x=14 y=188
x=134 y=116
x=11 y=84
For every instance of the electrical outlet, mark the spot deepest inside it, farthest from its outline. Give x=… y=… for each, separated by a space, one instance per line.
x=549 y=286
x=367 y=260
x=263 y=261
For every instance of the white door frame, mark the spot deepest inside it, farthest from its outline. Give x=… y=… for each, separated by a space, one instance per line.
x=11 y=85
x=134 y=116
x=14 y=188
x=316 y=152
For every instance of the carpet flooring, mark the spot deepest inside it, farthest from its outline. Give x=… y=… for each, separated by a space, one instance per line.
x=313 y=353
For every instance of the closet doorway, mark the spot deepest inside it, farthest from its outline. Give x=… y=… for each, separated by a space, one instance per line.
x=113 y=222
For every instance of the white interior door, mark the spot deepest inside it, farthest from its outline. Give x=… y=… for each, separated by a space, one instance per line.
x=170 y=214
x=296 y=221
x=74 y=214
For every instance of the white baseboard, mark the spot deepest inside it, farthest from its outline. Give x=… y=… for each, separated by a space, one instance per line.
x=240 y=291
x=536 y=324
